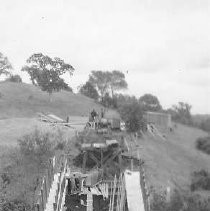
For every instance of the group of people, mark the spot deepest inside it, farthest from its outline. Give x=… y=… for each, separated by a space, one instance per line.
x=95 y=115
x=75 y=184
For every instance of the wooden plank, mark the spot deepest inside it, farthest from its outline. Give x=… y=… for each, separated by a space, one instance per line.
x=84 y=161
x=94 y=159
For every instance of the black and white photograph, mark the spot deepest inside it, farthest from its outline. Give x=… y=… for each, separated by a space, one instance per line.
x=105 y=105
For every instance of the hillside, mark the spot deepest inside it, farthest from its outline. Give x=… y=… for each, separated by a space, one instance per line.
x=167 y=161
x=198 y=118
x=172 y=161
x=25 y=100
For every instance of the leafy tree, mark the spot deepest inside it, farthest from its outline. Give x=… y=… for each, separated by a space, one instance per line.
x=182 y=113
x=106 y=82
x=45 y=72
x=122 y=99
x=150 y=102
x=117 y=81
x=14 y=78
x=5 y=65
x=132 y=114
x=67 y=88
x=89 y=90
x=100 y=80
x=109 y=101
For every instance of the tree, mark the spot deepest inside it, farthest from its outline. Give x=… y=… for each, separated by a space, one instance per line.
x=89 y=90
x=5 y=65
x=100 y=80
x=106 y=82
x=14 y=78
x=122 y=99
x=132 y=114
x=45 y=72
x=182 y=113
x=109 y=101
x=117 y=81
x=150 y=102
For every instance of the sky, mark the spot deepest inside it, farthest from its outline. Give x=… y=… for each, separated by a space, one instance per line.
x=163 y=46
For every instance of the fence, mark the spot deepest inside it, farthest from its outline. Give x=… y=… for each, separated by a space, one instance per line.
x=46 y=184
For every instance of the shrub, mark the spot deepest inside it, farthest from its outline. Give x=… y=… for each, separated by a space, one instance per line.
x=200 y=180
x=89 y=90
x=14 y=78
x=37 y=145
x=15 y=205
x=203 y=144
x=205 y=125
x=132 y=115
x=183 y=201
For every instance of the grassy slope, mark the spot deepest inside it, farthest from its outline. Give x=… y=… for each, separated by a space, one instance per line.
x=173 y=160
x=25 y=100
x=166 y=161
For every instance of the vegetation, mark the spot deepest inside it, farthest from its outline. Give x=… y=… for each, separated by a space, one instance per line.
x=200 y=180
x=150 y=102
x=183 y=201
x=22 y=169
x=89 y=90
x=205 y=125
x=14 y=78
x=25 y=100
x=203 y=144
x=132 y=114
x=5 y=65
x=117 y=82
x=106 y=82
x=181 y=113
x=45 y=72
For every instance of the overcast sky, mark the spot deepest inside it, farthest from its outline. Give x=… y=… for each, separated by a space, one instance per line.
x=162 y=46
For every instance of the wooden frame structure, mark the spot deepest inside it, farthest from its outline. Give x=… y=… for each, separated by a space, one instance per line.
x=107 y=153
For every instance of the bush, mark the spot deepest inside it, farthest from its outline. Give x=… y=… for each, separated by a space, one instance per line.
x=203 y=144
x=205 y=125
x=200 y=181
x=14 y=78
x=132 y=114
x=15 y=205
x=22 y=168
x=37 y=145
x=89 y=90
x=183 y=201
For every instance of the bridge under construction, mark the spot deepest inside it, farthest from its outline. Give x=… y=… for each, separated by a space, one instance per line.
x=92 y=186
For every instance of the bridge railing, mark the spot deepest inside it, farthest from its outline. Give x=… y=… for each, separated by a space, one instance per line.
x=60 y=188
x=45 y=186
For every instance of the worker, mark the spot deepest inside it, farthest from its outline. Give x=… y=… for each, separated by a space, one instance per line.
x=93 y=114
x=69 y=186
x=102 y=113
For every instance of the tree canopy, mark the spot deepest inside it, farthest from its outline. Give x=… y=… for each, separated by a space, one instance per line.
x=117 y=81
x=150 y=102
x=5 y=65
x=45 y=72
x=14 y=78
x=132 y=114
x=182 y=113
x=89 y=90
x=100 y=80
x=107 y=82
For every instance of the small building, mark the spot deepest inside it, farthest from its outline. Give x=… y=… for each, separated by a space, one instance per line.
x=160 y=120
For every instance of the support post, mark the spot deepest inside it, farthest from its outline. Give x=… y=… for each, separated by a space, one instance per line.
x=42 y=199
x=84 y=161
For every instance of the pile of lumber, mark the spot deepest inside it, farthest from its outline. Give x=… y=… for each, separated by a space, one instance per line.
x=53 y=119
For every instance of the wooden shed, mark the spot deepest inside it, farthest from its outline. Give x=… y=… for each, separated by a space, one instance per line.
x=160 y=120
